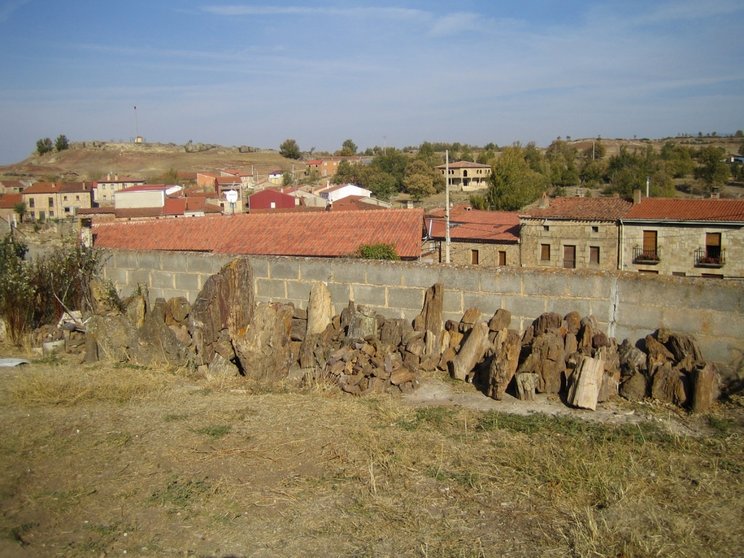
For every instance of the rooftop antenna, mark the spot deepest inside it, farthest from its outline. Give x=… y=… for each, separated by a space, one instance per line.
x=136 y=123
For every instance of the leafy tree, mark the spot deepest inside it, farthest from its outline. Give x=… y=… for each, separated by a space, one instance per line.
x=379 y=251
x=628 y=170
x=420 y=179
x=20 y=209
x=348 y=148
x=382 y=184
x=287 y=179
x=534 y=158
x=44 y=146
x=741 y=149
x=16 y=291
x=513 y=183
x=486 y=157
x=290 y=149
x=678 y=159
x=61 y=143
x=393 y=162
x=592 y=172
x=596 y=151
x=478 y=201
x=713 y=171
x=562 y=159
x=346 y=173
x=427 y=154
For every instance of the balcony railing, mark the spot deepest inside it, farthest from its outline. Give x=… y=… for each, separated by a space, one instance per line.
x=649 y=257
x=704 y=258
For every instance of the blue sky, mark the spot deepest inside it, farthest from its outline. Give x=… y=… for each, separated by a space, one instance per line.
x=378 y=72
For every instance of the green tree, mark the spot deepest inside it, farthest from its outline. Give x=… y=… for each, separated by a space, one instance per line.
x=678 y=159
x=61 y=143
x=20 y=209
x=562 y=159
x=712 y=169
x=513 y=183
x=420 y=179
x=16 y=291
x=290 y=149
x=287 y=179
x=348 y=148
x=393 y=162
x=44 y=145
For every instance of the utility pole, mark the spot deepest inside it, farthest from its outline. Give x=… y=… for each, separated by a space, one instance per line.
x=446 y=209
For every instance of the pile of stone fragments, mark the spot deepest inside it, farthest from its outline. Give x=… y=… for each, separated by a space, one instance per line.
x=225 y=332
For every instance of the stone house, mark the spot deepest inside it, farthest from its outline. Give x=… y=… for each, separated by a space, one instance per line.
x=482 y=238
x=57 y=200
x=466 y=176
x=572 y=233
x=104 y=189
x=685 y=237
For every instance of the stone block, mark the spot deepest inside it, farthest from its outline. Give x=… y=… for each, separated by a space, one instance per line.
x=525 y=307
x=313 y=269
x=162 y=280
x=175 y=262
x=501 y=282
x=349 y=271
x=340 y=295
x=123 y=258
x=409 y=298
x=485 y=302
x=148 y=260
x=271 y=289
x=139 y=277
x=453 y=301
x=188 y=282
x=284 y=269
x=460 y=278
x=206 y=263
x=298 y=291
x=386 y=274
x=369 y=295
x=260 y=266
x=421 y=276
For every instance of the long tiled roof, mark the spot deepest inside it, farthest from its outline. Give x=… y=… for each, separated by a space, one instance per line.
x=326 y=234
x=9 y=201
x=474 y=224
x=57 y=187
x=580 y=209
x=671 y=209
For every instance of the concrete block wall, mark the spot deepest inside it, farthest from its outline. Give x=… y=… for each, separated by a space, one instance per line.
x=627 y=305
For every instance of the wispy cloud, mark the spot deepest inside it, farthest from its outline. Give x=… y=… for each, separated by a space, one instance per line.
x=7 y=8
x=690 y=10
x=455 y=23
x=376 y=12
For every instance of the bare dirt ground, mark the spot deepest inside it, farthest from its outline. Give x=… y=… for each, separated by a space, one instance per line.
x=107 y=460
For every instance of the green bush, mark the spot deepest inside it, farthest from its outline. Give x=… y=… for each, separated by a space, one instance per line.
x=16 y=289
x=377 y=252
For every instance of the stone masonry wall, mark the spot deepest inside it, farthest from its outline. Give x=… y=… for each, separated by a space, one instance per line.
x=627 y=305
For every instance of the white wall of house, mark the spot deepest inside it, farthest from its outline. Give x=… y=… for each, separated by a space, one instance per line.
x=345 y=191
x=139 y=199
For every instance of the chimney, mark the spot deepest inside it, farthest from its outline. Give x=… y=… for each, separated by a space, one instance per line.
x=715 y=193
x=636 y=196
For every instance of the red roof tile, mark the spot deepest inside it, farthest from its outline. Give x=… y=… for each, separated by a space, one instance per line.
x=354 y=203
x=580 y=209
x=325 y=234
x=146 y=188
x=9 y=201
x=474 y=224
x=57 y=187
x=671 y=209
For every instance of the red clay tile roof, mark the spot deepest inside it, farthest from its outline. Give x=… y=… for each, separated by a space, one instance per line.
x=9 y=201
x=57 y=187
x=671 y=209
x=474 y=224
x=580 y=209
x=354 y=203
x=325 y=234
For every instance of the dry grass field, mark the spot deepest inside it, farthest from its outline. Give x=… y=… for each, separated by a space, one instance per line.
x=104 y=460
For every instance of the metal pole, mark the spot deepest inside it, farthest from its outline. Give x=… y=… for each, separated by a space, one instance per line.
x=446 y=208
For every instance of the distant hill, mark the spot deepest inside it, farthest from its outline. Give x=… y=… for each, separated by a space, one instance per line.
x=94 y=160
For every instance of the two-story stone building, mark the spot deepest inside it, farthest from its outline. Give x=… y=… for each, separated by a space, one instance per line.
x=483 y=238
x=687 y=237
x=57 y=200
x=466 y=175
x=104 y=189
x=572 y=233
